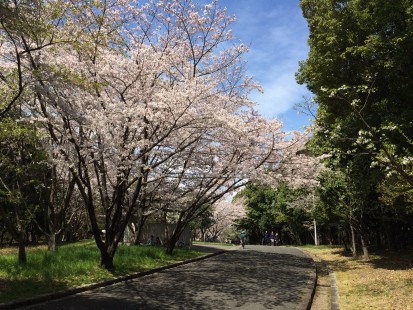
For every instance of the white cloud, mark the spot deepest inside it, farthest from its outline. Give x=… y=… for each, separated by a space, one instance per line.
x=274 y=65
x=280 y=94
x=278 y=36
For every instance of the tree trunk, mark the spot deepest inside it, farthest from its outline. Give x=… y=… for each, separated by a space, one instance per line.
x=315 y=232
x=330 y=236
x=203 y=235
x=346 y=247
x=51 y=241
x=353 y=240
x=170 y=245
x=165 y=230
x=139 y=226
x=171 y=241
x=106 y=260
x=22 y=249
x=298 y=239
x=2 y=237
x=379 y=244
x=364 y=244
x=364 y=248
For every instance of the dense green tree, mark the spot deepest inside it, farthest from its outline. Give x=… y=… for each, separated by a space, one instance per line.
x=23 y=178
x=349 y=203
x=396 y=219
x=202 y=223
x=331 y=210
x=361 y=70
x=292 y=210
x=280 y=210
x=258 y=200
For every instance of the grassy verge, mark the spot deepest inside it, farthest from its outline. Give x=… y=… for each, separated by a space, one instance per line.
x=383 y=282
x=74 y=265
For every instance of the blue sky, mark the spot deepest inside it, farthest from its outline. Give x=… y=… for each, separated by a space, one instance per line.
x=277 y=35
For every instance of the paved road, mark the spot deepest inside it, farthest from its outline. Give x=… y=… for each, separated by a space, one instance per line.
x=256 y=277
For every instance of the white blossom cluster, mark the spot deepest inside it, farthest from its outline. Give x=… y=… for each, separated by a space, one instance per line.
x=146 y=105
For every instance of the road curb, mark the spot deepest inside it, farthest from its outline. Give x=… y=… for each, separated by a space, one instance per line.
x=48 y=297
x=334 y=289
x=334 y=294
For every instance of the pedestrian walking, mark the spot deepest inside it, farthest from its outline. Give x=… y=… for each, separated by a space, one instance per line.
x=272 y=236
x=277 y=239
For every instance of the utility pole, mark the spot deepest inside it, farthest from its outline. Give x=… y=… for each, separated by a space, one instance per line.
x=315 y=233
x=315 y=224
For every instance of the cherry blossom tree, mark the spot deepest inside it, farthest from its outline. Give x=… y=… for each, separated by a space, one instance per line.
x=129 y=85
x=225 y=213
x=222 y=160
x=27 y=27
x=142 y=103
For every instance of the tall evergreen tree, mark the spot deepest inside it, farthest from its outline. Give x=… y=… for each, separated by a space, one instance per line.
x=360 y=67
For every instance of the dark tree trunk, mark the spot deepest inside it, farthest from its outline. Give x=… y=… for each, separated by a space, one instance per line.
x=106 y=260
x=138 y=232
x=203 y=233
x=403 y=239
x=172 y=240
x=166 y=230
x=330 y=237
x=378 y=238
x=51 y=241
x=22 y=249
x=2 y=236
x=364 y=247
x=170 y=245
x=346 y=247
x=297 y=239
x=345 y=239
x=353 y=240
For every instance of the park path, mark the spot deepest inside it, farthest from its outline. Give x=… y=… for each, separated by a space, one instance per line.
x=257 y=277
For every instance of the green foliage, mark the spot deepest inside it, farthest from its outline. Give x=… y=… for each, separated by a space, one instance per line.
x=203 y=221
x=258 y=199
x=277 y=209
x=23 y=181
x=361 y=71
x=359 y=195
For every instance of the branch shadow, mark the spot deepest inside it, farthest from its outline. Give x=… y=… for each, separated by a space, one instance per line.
x=379 y=259
x=237 y=279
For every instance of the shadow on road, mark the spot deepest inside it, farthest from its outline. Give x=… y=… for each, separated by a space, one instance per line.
x=237 y=279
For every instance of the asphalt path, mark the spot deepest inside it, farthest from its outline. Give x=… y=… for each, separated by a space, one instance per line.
x=257 y=277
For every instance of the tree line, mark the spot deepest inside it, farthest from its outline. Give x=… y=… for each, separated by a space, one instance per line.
x=360 y=70
x=114 y=113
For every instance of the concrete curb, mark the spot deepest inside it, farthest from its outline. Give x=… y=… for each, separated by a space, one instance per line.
x=47 y=297
x=334 y=294
x=334 y=289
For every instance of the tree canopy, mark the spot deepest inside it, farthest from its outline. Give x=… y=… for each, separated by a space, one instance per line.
x=141 y=106
x=361 y=72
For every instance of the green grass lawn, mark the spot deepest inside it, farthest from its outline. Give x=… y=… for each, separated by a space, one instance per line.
x=73 y=265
